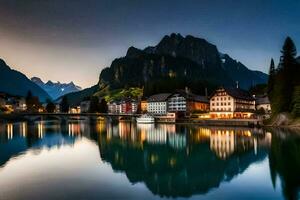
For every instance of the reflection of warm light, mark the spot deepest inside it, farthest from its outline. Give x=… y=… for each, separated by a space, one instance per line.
x=153 y=158
x=124 y=129
x=255 y=145
x=201 y=134
x=40 y=130
x=9 y=130
x=157 y=136
x=223 y=143
x=74 y=129
x=248 y=133
x=23 y=129
x=143 y=136
x=177 y=141
x=173 y=162
x=101 y=126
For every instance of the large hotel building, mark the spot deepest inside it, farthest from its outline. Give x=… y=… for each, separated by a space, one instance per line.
x=231 y=103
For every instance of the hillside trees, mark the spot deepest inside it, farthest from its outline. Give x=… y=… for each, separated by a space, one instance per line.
x=283 y=84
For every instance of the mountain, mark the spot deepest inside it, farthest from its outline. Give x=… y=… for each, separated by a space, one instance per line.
x=174 y=63
x=239 y=72
x=16 y=83
x=56 y=90
x=183 y=61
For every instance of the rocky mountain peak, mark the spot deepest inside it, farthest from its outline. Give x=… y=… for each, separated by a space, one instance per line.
x=37 y=80
x=133 y=52
x=56 y=89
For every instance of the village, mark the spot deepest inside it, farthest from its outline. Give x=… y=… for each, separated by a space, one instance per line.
x=223 y=103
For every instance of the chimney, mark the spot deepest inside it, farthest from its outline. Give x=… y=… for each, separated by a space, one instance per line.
x=206 y=95
x=237 y=84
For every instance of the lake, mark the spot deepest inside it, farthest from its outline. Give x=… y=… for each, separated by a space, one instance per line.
x=82 y=159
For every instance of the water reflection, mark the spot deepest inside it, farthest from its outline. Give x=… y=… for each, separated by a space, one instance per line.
x=171 y=160
x=179 y=161
x=285 y=162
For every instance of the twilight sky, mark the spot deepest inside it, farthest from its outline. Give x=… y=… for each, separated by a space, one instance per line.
x=72 y=40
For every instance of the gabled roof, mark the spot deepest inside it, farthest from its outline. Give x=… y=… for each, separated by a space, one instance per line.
x=237 y=93
x=262 y=100
x=192 y=97
x=159 y=97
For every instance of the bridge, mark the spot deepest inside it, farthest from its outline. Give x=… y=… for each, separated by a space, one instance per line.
x=68 y=116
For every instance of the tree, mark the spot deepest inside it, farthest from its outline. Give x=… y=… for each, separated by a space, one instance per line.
x=103 y=106
x=94 y=104
x=285 y=79
x=296 y=102
x=64 y=105
x=50 y=107
x=32 y=102
x=271 y=81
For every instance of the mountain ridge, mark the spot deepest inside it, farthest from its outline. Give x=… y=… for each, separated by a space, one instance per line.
x=56 y=89
x=14 y=82
x=177 y=62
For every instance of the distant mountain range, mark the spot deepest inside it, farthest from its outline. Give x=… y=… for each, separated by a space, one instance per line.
x=56 y=90
x=15 y=83
x=175 y=62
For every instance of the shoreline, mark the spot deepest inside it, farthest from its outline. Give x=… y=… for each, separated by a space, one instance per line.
x=17 y=117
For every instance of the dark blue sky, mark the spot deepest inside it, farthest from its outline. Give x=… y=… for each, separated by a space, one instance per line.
x=74 y=39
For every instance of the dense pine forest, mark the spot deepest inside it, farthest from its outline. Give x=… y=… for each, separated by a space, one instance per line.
x=284 y=81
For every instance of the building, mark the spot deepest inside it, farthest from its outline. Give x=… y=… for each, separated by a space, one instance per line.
x=85 y=106
x=198 y=104
x=177 y=102
x=158 y=104
x=2 y=101
x=231 y=103
x=186 y=102
x=125 y=106
x=144 y=105
x=75 y=109
x=263 y=103
x=112 y=107
x=20 y=104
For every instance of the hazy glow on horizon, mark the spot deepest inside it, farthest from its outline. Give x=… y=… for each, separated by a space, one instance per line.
x=73 y=40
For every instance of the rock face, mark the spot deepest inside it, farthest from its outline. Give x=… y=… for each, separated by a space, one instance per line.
x=16 y=83
x=178 y=61
x=56 y=90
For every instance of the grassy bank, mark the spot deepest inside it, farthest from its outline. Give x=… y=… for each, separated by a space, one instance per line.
x=283 y=120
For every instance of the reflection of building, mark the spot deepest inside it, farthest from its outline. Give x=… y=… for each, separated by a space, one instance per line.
x=222 y=142
x=231 y=103
x=74 y=129
x=170 y=165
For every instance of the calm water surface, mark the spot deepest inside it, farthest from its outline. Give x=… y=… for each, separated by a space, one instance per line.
x=78 y=159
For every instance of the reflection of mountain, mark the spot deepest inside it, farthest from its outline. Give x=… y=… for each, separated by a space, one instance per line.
x=174 y=172
x=285 y=162
x=21 y=138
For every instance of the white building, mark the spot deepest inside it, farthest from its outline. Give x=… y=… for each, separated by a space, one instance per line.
x=263 y=103
x=231 y=103
x=158 y=104
x=177 y=103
